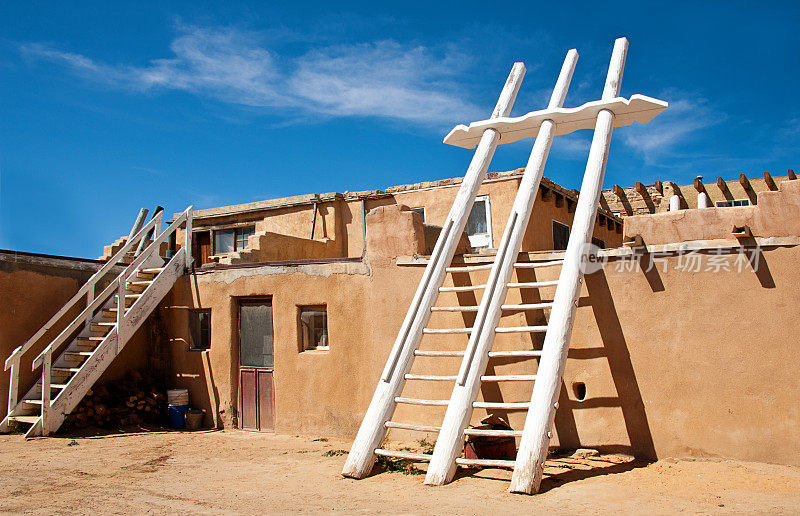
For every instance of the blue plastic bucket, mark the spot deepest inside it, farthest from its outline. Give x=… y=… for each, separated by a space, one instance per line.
x=176 y=415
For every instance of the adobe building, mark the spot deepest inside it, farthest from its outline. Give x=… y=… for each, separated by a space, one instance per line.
x=684 y=342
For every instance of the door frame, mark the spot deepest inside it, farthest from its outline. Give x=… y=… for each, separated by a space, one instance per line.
x=239 y=367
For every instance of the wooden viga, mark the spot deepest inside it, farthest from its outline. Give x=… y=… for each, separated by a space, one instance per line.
x=400 y=373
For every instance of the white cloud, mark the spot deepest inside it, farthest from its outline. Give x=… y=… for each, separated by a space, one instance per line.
x=685 y=115
x=378 y=79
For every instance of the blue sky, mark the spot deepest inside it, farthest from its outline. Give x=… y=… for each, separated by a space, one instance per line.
x=106 y=107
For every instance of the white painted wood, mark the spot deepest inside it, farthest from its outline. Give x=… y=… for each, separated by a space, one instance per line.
x=533 y=284
x=485 y=463
x=188 y=238
x=512 y=354
x=470 y=268
x=465 y=288
x=528 y=306
x=408 y=426
x=501 y=405
x=13 y=386
x=674 y=203
x=492 y=433
x=372 y=431
x=419 y=457
x=539 y=421
x=417 y=401
x=535 y=265
x=432 y=377
x=521 y=329
x=120 y=309
x=639 y=108
x=446 y=330
x=45 y=414
x=454 y=309
x=438 y=353
x=509 y=378
x=451 y=437
x=702 y=200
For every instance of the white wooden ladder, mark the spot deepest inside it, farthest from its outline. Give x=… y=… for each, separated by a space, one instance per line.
x=91 y=340
x=611 y=111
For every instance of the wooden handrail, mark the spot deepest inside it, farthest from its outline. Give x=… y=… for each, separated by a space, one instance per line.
x=129 y=270
x=81 y=292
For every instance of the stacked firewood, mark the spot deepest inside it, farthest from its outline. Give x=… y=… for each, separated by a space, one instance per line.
x=133 y=400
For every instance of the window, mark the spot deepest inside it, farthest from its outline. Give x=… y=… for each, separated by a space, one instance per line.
x=599 y=243
x=479 y=223
x=421 y=211
x=230 y=240
x=560 y=236
x=731 y=203
x=199 y=329
x=313 y=327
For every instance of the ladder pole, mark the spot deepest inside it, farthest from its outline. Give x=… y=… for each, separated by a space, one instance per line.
x=544 y=400
x=373 y=430
x=450 y=439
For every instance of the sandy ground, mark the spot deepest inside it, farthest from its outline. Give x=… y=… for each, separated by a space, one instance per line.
x=241 y=472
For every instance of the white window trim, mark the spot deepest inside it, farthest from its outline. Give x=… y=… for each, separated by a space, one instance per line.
x=488 y=235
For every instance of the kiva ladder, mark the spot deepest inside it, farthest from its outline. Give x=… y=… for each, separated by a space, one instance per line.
x=611 y=111
x=101 y=330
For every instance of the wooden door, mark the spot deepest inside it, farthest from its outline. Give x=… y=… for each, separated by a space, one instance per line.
x=201 y=241
x=256 y=386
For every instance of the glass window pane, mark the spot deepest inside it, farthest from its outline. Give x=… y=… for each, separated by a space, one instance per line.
x=314 y=327
x=200 y=329
x=476 y=223
x=242 y=234
x=255 y=333
x=223 y=241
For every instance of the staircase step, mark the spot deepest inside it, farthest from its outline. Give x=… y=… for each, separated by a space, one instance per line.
x=93 y=338
x=534 y=265
x=486 y=463
x=408 y=426
x=528 y=306
x=79 y=353
x=488 y=432
x=415 y=401
x=430 y=377
x=66 y=369
x=500 y=405
x=446 y=330
x=438 y=353
x=533 y=284
x=57 y=385
x=521 y=353
x=509 y=378
x=465 y=288
x=454 y=309
x=36 y=402
x=28 y=420
x=143 y=283
x=521 y=329
x=418 y=457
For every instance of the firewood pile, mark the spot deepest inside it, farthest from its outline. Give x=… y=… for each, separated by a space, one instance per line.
x=133 y=400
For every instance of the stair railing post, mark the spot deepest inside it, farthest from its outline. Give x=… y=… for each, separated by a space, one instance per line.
x=188 y=238
x=536 y=435
x=13 y=386
x=449 y=442
x=121 y=284
x=373 y=430
x=46 y=372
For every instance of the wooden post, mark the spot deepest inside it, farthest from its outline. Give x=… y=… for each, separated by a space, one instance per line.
x=791 y=175
x=451 y=436
x=46 y=364
x=120 y=308
x=13 y=386
x=544 y=400
x=188 y=238
x=770 y=182
x=372 y=431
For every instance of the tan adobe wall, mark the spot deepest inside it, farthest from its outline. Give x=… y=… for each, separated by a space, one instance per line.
x=776 y=214
x=676 y=363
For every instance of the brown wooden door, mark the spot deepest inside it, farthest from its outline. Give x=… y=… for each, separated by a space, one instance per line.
x=256 y=386
x=201 y=242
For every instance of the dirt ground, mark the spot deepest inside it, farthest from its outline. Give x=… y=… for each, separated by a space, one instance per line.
x=240 y=472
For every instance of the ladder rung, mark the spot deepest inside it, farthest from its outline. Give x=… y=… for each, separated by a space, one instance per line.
x=487 y=463
x=500 y=405
x=528 y=306
x=447 y=330
x=465 y=288
x=454 y=309
x=533 y=284
x=493 y=433
x=470 y=268
x=522 y=353
x=419 y=457
x=509 y=378
x=521 y=329
x=152 y=271
x=415 y=401
x=533 y=265
x=438 y=353
x=408 y=426
x=430 y=377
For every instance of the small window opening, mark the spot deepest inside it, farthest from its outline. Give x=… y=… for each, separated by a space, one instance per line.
x=314 y=327
x=421 y=211
x=199 y=329
x=579 y=390
x=560 y=236
x=732 y=203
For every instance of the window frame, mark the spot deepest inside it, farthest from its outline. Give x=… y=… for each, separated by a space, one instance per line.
x=236 y=233
x=476 y=239
x=553 y=228
x=732 y=203
x=301 y=331
x=423 y=213
x=192 y=344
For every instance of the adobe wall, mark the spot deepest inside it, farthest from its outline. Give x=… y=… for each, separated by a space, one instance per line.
x=33 y=288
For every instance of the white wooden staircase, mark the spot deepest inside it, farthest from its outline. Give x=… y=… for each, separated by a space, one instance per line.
x=558 y=296
x=91 y=340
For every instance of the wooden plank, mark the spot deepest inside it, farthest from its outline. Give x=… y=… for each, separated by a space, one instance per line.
x=770 y=182
x=438 y=353
x=509 y=378
x=431 y=377
x=465 y=288
x=485 y=463
x=417 y=401
x=446 y=330
x=492 y=433
x=521 y=329
x=408 y=426
x=418 y=457
x=511 y=354
x=501 y=405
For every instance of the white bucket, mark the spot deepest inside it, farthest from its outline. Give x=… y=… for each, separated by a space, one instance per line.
x=178 y=397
